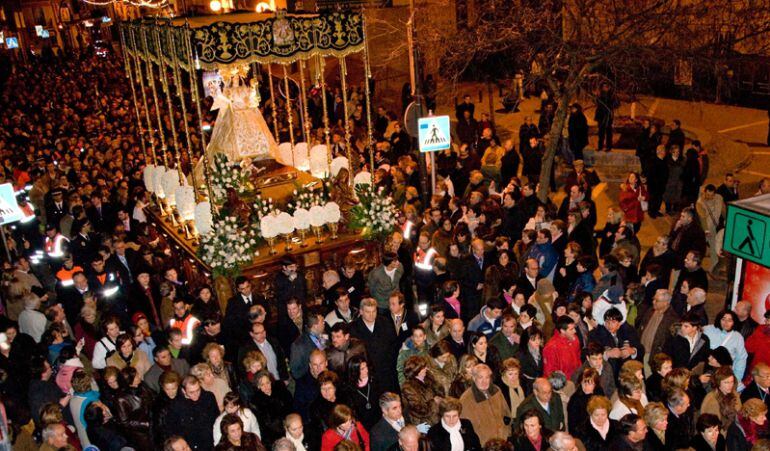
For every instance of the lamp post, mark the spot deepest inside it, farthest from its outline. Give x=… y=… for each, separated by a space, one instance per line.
x=414 y=66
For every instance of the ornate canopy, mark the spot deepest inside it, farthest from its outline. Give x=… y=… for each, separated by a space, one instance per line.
x=246 y=38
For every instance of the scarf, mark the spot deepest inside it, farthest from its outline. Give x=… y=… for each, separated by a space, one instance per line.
x=604 y=430
x=297 y=442
x=455 y=438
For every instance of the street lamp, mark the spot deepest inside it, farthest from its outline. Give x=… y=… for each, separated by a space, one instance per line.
x=215 y=5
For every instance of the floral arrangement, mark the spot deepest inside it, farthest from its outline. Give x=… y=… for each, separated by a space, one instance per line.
x=227 y=247
x=226 y=175
x=262 y=206
x=304 y=197
x=375 y=213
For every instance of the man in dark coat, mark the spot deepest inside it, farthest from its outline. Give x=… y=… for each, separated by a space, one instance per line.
x=289 y=283
x=676 y=135
x=310 y=340
x=619 y=339
x=760 y=384
x=384 y=433
x=236 y=324
x=660 y=254
x=260 y=341
x=465 y=106
x=687 y=235
x=681 y=424
x=467 y=129
x=606 y=104
x=513 y=218
x=527 y=283
x=729 y=189
x=533 y=158
x=693 y=272
x=191 y=415
x=381 y=343
x=472 y=279
x=526 y=131
x=656 y=182
x=577 y=127
x=509 y=163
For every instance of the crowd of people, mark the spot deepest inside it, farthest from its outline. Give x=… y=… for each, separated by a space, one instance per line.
x=525 y=328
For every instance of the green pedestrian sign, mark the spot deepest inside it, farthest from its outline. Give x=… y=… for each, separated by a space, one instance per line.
x=746 y=231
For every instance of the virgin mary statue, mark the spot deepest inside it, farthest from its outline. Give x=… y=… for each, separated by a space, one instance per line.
x=240 y=130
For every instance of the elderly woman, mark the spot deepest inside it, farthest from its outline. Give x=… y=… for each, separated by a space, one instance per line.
x=531 y=435
x=420 y=392
x=271 y=402
x=723 y=333
x=443 y=365
x=216 y=386
x=453 y=433
x=588 y=385
x=722 y=401
x=599 y=430
x=511 y=387
x=233 y=437
x=127 y=355
x=656 y=417
x=749 y=426
x=214 y=355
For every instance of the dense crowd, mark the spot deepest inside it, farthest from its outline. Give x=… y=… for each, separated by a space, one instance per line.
x=526 y=328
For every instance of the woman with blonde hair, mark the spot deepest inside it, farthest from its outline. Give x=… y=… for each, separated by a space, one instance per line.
x=599 y=429
x=656 y=417
x=463 y=380
x=722 y=401
x=214 y=355
x=749 y=427
x=216 y=386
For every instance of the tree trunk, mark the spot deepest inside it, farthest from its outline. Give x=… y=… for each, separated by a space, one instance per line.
x=553 y=144
x=491 y=102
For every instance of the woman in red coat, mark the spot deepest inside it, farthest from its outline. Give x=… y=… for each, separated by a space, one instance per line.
x=632 y=194
x=342 y=426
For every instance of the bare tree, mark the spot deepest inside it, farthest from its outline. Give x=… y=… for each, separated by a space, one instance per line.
x=576 y=43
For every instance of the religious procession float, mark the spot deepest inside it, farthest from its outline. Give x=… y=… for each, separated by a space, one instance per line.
x=232 y=192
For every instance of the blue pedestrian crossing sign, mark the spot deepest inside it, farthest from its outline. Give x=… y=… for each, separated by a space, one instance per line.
x=9 y=207
x=433 y=133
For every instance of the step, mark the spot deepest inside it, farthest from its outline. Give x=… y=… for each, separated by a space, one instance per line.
x=612 y=166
